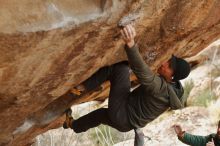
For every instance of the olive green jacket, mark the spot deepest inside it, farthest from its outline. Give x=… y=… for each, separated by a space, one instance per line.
x=195 y=140
x=154 y=96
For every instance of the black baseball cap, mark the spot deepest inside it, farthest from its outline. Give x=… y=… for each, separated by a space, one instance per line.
x=180 y=67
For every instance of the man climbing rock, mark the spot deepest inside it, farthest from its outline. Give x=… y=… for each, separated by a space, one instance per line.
x=133 y=110
x=195 y=140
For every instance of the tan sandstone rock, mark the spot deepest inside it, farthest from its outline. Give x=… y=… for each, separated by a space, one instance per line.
x=47 y=47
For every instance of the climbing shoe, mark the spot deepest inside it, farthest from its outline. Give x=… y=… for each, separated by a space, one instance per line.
x=69 y=119
x=78 y=90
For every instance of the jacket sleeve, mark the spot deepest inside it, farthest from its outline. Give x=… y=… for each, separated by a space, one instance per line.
x=194 y=140
x=143 y=72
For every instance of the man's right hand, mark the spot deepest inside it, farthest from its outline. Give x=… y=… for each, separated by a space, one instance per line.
x=178 y=130
x=128 y=34
x=211 y=143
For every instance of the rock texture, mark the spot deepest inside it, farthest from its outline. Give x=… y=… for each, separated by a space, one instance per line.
x=47 y=47
x=205 y=78
x=194 y=120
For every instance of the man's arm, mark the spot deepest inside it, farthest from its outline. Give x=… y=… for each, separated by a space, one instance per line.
x=143 y=72
x=193 y=140
x=189 y=139
x=140 y=68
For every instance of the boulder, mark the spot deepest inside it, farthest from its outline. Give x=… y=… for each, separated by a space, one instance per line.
x=48 y=47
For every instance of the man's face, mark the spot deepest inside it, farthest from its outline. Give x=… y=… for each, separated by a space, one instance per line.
x=218 y=131
x=165 y=70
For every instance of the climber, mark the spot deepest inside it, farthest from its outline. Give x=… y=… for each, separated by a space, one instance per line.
x=195 y=140
x=133 y=110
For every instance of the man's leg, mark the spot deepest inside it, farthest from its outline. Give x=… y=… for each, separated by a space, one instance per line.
x=120 y=85
x=97 y=79
x=91 y=120
x=120 y=89
x=119 y=92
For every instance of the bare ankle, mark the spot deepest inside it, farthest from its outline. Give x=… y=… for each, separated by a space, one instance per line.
x=81 y=87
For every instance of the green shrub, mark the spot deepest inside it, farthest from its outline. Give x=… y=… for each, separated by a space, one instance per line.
x=204 y=98
x=187 y=89
x=105 y=135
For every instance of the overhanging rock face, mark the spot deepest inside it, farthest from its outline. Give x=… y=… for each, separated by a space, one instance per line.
x=47 y=47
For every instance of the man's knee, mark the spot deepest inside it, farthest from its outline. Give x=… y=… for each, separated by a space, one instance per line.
x=121 y=68
x=122 y=64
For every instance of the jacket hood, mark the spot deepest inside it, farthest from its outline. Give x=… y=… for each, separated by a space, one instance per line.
x=175 y=91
